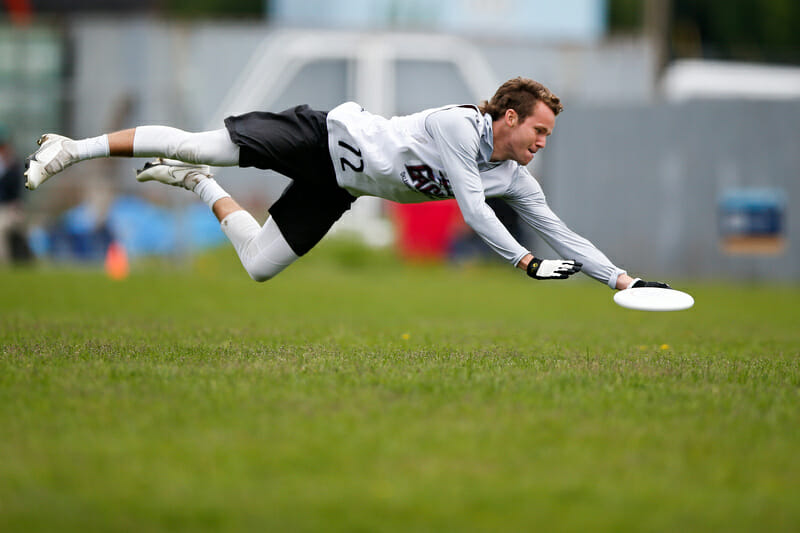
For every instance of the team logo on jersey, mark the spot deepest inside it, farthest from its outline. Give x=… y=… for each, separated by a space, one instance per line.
x=423 y=179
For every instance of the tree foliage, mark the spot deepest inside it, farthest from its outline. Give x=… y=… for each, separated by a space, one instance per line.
x=204 y=8
x=752 y=30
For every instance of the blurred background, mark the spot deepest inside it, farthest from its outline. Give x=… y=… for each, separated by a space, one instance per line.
x=677 y=154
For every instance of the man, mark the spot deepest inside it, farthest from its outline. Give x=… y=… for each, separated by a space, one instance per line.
x=13 y=245
x=464 y=152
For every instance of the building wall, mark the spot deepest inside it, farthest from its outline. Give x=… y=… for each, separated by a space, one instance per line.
x=645 y=183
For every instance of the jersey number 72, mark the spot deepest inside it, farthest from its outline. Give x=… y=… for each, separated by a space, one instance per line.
x=346 y=163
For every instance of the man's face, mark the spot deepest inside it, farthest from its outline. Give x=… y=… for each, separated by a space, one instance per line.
x=529 y=136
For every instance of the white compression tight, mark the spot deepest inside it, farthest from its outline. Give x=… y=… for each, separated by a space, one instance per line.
x=263 y=251
x=208 y=147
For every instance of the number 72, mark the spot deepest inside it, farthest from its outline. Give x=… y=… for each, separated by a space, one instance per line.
x=345 y=163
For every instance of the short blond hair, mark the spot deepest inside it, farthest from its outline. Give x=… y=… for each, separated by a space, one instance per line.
x=521 y=95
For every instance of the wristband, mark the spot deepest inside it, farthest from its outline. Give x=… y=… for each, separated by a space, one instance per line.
x=533 y=266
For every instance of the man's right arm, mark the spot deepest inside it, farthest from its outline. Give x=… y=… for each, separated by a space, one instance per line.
x=457 y=142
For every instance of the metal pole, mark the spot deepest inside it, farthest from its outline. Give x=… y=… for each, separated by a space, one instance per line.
x=657 y=22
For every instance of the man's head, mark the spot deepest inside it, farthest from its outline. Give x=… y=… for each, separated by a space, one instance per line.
x=521 y=95
x=523 y=116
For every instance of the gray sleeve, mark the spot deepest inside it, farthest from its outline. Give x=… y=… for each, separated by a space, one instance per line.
x=526 y=198
x=458 y=142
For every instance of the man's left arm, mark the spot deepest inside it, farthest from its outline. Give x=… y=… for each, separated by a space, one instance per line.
x=528 y=200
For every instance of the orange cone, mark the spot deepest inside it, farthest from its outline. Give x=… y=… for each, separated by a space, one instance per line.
x=116 y=261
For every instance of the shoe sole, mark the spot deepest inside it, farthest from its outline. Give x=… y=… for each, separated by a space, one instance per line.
x=147 y=166
x=31 y=164
x=168 y=163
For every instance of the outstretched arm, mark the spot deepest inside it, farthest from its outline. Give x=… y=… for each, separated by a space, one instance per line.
x=528 y=200
x=526 y=197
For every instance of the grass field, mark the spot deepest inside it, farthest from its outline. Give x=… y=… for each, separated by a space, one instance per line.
x=355 y=394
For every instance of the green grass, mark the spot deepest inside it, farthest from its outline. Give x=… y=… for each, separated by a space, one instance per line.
x=354 y=394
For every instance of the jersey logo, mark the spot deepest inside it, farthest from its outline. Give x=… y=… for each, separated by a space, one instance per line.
x=423 y=179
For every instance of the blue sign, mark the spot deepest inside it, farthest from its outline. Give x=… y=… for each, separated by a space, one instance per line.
x=751 y=220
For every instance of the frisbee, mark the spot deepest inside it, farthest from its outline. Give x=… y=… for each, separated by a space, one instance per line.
x=654 y=299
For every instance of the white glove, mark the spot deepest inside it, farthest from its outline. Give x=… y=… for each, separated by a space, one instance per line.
x=552 y=268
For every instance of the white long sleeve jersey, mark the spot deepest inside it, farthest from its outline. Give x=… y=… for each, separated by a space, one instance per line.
x=445 y=153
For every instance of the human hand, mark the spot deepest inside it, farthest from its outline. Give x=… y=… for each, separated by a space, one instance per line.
x=638 y=283
x=552 y=268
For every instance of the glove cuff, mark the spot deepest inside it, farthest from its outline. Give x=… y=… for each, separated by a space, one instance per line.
x=533 y=266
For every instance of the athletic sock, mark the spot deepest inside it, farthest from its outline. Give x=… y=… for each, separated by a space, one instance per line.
x=210 y=191
x=92 y=147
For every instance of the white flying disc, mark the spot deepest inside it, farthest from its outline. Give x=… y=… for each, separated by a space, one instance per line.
x=654 y=299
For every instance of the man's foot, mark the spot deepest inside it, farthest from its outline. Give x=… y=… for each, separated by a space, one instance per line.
x=55 y=153
x=172 y=172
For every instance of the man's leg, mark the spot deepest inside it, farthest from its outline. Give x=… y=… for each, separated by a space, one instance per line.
x=263 y=251
x=57 y=152
x=120 y=143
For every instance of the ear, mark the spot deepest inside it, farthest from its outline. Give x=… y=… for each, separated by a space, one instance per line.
x=511 y=117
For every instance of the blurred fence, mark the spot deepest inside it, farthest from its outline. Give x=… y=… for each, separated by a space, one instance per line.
x=32 y=63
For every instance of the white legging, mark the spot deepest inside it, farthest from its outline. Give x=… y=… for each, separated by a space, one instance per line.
x=207 y=148
x=263 y=251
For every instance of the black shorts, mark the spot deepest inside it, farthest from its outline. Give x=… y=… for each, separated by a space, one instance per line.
x=295 y=144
